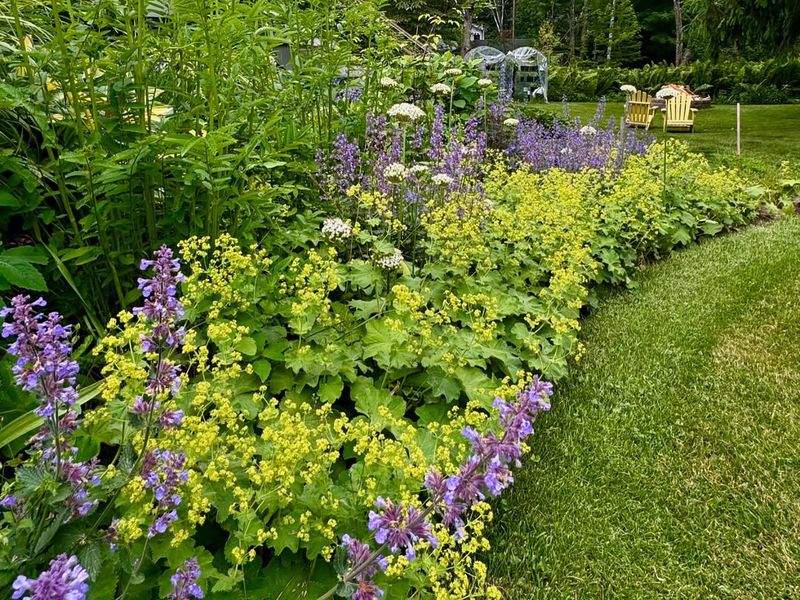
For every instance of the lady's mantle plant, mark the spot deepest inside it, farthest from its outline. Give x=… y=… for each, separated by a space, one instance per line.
x=400 y=528
x=56 y=489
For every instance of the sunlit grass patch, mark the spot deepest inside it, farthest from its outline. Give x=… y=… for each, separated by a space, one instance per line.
x=669 y=466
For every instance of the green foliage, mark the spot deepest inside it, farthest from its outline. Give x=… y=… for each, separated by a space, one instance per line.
x=315 y=374
x=123 y=128
x=770 y=82
x=17 y=269
x=314 y=382
x=747 y=26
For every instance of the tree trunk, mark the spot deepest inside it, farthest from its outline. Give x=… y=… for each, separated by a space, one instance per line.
x=466 y=33
x=499 y=15
x=573 y=33
x=678 y=33
x=611 y=29
x=584 y=35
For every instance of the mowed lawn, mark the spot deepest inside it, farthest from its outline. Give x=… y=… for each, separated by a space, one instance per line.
x=770 y=134
x=670 y=464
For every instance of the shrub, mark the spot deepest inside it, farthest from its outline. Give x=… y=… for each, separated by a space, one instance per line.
x=770 y=82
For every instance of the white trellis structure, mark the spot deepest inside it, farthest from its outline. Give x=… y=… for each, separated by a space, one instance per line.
x=491 y=58
x=530 y=70
x=527 y=66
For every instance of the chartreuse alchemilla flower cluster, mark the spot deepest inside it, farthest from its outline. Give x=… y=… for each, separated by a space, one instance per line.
x=401 y=528
x=286 y=396
x=255 y=457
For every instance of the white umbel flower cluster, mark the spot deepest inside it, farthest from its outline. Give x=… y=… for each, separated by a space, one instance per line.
x=442 y=179
x=441 y=89
x=396 y=173
x=667 y=92
x=391 y=261
x=588 y=130
x=335 y=229
x=419 y=169
x=484 y=83
x=406 y=112
x=453 y=72
x=388 y=82
x=628 y=89
x=511 y=122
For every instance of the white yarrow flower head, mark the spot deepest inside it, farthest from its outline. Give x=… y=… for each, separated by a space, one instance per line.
x=335 y=229
x=588 y=130
x=406 y=113
x=441 y=89
x=628 y=89
x=396 y=173
x=419 y=169
x=391 y=261
x=454 y=72
x=388 y=82
x=484 y=83
x=667 y=92
x=511 y=122
x=442 y=179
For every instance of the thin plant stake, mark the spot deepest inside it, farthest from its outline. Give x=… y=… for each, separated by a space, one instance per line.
x=738 y=129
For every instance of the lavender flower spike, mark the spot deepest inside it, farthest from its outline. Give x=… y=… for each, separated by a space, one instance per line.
x=43 y=354
x=64 y=580
x=184 y=581
x=161 y=307
x=44 y=366
x=400 y=527
x=365 y=564
x=163 y=472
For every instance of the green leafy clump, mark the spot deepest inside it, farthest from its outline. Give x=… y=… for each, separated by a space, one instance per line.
x=773 y=81
x=313 y=381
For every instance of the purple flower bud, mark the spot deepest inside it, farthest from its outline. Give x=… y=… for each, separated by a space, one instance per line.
x=184 y=581
x=8 y=502
x=162 y=523
x=171 y=418
x=65 y=579
x=400 y=527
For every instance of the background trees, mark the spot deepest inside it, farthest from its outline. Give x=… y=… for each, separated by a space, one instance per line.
x=622 y=32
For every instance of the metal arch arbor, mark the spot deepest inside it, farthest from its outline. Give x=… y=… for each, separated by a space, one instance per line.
x=490 y=57
x=529 y=64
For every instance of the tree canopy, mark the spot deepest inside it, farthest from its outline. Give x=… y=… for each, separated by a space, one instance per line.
x=629 y=32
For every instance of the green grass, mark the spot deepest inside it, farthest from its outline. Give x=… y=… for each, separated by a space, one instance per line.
x=670 y=465
x=770 y=134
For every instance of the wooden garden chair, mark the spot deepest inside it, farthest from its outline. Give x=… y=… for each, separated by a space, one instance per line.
x=679 y=113
x=639 y=113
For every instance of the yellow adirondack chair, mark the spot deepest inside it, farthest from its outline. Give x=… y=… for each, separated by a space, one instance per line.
x=638 y=112
x=679 y=113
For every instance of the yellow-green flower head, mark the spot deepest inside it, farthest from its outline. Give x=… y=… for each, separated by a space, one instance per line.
x=484 y=83
x=454 y=72
x=511 y=122
x=441 y=89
